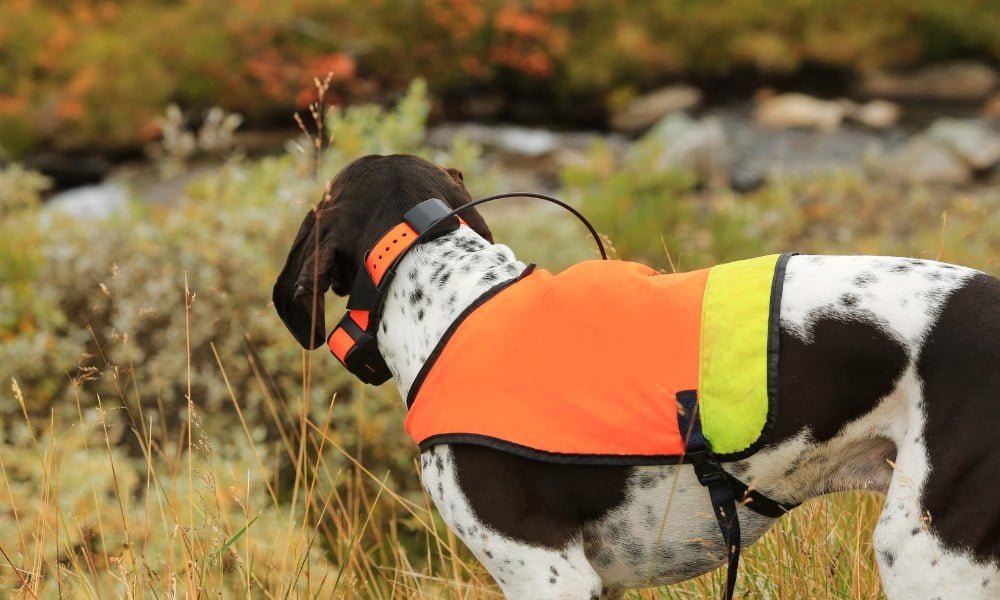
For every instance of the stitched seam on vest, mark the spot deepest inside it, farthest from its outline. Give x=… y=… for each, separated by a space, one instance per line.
x=551 y=457
x=425 y=369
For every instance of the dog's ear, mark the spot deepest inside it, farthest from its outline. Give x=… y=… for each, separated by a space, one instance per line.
x=471 y=216
x=456 y=175
x=314 y=264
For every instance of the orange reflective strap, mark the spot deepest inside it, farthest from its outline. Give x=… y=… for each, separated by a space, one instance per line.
x=387 y=250
x=360 y=317
x=340 y=343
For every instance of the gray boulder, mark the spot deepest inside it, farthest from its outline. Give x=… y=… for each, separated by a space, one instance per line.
x=973 y=140
x=951 y=81
x=646 y=110
x=926 y=160
x=698 y=146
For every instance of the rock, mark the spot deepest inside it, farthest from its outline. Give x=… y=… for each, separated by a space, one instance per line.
x=799 y=110
x=698 y=146
x=973 y=140
x=520 y=141
x=877 y=114
x=758 y=154
x=646 y=110
x=952 y=81
x=927 y=160
x=950 y=151
x=88 y=202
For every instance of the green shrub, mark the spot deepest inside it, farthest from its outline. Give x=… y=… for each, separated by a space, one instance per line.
x=107 y=299
x=649 y=212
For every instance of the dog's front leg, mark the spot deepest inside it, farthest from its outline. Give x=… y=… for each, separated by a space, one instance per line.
x=522 y=570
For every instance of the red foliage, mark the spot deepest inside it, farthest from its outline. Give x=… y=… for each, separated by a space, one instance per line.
x=339 y=64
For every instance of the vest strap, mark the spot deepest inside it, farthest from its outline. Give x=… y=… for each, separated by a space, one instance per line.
x=711 y=475
x=757 y=502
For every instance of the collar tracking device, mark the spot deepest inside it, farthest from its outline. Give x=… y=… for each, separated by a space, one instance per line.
x=353 y=341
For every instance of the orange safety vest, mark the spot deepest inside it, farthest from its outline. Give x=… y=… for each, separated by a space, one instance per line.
x=609 y=362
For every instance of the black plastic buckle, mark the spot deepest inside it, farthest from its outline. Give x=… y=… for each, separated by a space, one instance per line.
x=363 y=360
x=365 y=295
x=366 y=362
x=707 y=468
x=423 y=216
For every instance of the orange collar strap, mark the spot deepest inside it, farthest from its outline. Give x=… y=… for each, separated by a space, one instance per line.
x=353 y=341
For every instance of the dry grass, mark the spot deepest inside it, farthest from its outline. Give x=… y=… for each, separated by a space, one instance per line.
x=184 y=520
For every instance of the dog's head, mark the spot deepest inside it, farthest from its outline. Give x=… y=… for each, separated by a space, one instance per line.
x=366 y=199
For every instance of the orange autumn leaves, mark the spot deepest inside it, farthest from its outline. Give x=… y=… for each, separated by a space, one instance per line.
x=290 y=80
x=523 y=37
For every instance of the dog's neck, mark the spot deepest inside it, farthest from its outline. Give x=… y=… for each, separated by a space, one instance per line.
x=434 y=283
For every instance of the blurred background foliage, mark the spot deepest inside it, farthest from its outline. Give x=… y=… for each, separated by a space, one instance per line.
x=97 y=73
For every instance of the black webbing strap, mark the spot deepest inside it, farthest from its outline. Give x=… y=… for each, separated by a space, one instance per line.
x=711 y=475
x=757 y=502
x=723 y=489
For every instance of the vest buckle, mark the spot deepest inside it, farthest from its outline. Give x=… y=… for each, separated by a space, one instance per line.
x=707 y=468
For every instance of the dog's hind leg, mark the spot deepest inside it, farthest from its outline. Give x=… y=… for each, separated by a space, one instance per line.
x=939 y=536
x=913 y=561
x=524 y=571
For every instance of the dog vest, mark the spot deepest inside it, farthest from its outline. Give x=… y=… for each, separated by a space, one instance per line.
x=609 y=362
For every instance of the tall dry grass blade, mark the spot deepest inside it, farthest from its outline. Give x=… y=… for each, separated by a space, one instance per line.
x=13 y=508
x=17 y=571
x=670 y=259
x=188 y=301
x=246 y=428
x=117 y=484
x=944 y=227
x=305 y=554
x=352 y=547
x=93 y=487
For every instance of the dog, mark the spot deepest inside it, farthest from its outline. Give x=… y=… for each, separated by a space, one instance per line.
x=889 y=382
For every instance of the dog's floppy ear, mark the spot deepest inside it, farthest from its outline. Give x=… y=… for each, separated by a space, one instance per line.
x=298 y=292
x=471 y=216
x=456 y=175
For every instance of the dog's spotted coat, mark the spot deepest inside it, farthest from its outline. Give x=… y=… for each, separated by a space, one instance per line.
x=857 y=333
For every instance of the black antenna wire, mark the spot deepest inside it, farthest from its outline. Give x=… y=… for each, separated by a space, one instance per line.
x=556 y=201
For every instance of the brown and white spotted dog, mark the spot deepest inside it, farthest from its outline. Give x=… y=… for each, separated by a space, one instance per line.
x=889 y=381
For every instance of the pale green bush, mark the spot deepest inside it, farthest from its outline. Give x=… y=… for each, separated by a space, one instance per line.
x=106 y=301
x=20 y=189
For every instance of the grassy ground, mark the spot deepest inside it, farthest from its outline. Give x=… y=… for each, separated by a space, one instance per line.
x=161 y=436
x=186 y=519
